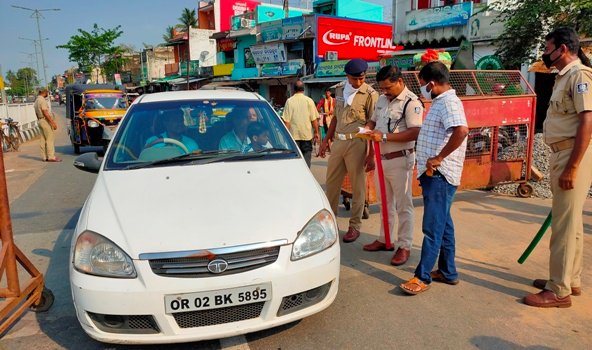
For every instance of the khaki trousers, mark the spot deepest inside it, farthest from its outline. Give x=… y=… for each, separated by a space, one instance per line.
x=567 y=238
x=398 y=176
x=47 y=140
x=348 y=156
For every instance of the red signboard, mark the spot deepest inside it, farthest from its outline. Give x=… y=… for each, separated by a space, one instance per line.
x=354 y=39
x=229 y=8
x=226 y=44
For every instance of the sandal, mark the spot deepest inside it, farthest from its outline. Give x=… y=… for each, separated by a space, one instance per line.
x=414 y=286
x=439 y=277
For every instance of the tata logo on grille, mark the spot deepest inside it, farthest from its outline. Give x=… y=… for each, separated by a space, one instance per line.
x=217 y=266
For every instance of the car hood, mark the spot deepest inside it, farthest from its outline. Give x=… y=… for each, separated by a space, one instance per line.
x=178 y=208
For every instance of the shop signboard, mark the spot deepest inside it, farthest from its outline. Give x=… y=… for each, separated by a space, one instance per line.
x=485 y=26
x=353 y=38
x=437 y=17
x=270 y=12
x=336 y=68
x=269 y=53
x=206 y=72
x=230 y=8
x=271 y=31
x=285 y=29
x=292 y=67
x=226 y=44
x=223 y=69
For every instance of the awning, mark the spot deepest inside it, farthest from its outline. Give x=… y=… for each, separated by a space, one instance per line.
x=184 y=80
x=428 y=35
x=323 y=80
x=242 y=32
x=167 y=79
x=268 y=78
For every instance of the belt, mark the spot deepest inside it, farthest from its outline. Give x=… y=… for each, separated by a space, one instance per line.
x=562 y=145
x=345 y=136
x=396 y=154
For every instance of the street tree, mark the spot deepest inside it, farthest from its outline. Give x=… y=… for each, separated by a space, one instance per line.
x=23 y=82
x=90 y=49
x=528 y=21
x=116 y=62
x=188 y=20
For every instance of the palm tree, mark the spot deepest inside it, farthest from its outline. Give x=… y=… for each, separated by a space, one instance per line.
x=188 y=20
x=168 y=35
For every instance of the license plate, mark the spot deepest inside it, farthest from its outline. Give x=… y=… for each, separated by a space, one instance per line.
x=217 y=298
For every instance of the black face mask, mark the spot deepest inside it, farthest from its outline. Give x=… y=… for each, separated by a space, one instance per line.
x=547 y=58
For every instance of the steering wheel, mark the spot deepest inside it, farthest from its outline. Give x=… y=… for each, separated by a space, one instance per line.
x=169 y=141
x=126 y=150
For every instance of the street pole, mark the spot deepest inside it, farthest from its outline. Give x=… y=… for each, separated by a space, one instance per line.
x=36 y=53
x=37 y=15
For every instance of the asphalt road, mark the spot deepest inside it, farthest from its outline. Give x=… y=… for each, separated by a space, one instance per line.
x=483 y=312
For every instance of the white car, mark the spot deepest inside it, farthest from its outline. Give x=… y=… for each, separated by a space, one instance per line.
x=204 y=222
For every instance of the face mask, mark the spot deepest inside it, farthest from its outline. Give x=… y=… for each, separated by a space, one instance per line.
x=425 y=93
x=547 y=59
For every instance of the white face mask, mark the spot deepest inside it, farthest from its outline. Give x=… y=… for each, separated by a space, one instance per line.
x=425 y=93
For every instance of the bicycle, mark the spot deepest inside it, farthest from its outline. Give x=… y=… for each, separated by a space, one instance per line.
x=11 y=139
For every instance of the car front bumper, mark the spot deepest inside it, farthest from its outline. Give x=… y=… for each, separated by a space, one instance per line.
x=144 y=296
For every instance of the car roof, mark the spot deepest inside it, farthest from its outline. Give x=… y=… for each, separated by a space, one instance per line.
x=199 y=95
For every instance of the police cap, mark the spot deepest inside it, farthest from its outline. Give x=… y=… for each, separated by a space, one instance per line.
x=356 y=67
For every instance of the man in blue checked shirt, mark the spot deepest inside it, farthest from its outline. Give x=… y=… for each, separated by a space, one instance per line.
x=440 y=150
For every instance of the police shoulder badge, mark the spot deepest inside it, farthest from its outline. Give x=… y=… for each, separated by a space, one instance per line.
x=417 y=110
x=582 y=88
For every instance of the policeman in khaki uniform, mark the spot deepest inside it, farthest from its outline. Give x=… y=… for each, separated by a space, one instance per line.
x=567 y=131
x=354 y=104
x=396 y=122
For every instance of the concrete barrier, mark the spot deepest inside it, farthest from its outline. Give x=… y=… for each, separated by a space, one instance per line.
x=24 y=114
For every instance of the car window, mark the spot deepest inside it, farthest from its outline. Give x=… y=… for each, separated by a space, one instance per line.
x=164 y=130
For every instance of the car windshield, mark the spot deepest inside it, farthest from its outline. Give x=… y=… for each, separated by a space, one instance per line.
x=198 y=132
x=105 y=101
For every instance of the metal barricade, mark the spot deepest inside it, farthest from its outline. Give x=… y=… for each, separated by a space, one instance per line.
x=500 y=109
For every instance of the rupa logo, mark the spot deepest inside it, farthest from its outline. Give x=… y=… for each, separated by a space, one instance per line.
x=334 y=39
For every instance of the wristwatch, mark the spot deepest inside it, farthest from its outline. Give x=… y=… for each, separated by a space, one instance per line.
x=384 y=138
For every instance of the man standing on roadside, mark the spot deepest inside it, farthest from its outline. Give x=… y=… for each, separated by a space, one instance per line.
x=396 y=122
x=567 y=131
x=354 y=104
x=441 y=147
x=301 y=117
x=47 y=126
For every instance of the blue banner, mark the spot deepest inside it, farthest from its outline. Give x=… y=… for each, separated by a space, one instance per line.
x=444 y=16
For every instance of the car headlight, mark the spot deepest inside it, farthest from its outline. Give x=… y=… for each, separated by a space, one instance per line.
x=317 y=235
x=96 y=255
x=93 y=124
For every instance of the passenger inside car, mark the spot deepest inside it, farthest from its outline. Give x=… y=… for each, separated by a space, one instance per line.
x=172 y=122
x=236 y=139
x=259 y=137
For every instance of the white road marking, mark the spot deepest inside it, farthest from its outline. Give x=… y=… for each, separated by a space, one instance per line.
x=234 y=343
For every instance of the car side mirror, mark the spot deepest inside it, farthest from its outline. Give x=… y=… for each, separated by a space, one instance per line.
x=88 y=162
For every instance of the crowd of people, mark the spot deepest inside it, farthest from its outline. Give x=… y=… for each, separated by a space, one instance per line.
x=394 y=117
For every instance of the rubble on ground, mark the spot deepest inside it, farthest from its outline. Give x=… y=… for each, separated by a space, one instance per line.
x=540 y=160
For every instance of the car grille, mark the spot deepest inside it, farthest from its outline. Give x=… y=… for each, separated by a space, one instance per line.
x=132 y=324
x=213 y=317
x=198 y=266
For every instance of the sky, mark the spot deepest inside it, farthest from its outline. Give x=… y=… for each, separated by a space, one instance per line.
x=142 y=21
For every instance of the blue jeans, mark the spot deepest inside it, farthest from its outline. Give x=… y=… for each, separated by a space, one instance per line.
x=437 y=228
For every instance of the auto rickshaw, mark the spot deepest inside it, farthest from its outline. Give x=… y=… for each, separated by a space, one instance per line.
x=94 y=111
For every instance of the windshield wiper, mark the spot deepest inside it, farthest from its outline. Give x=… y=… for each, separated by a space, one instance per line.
x=185 y=158
x=274 y=150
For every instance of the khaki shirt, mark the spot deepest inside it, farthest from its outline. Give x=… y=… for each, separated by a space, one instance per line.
x=387 y=114
x=39 y=106
x=351 y=118
x=300 y=111
x=572 y=94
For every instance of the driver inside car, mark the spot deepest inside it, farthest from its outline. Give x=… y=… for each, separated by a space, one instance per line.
x=175 y=129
